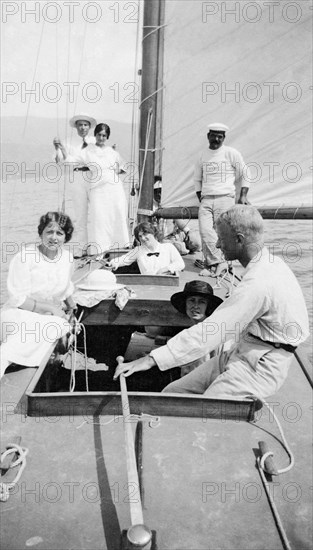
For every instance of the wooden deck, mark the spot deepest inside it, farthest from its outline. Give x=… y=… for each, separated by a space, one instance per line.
x=151 y=305
x=200 y=485
x=201 y=488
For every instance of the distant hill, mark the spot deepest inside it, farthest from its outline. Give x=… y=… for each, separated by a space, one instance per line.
x=35 y=144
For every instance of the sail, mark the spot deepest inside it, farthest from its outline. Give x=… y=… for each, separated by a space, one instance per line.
x=248 y=65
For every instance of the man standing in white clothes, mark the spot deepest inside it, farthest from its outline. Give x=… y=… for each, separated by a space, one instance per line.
x=266 y=315
x=80 y=184
x=218 y=171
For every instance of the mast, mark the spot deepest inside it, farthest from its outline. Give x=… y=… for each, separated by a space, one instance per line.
x=151 y=62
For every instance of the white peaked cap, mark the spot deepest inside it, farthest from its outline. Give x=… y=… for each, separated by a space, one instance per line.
x=218 y=127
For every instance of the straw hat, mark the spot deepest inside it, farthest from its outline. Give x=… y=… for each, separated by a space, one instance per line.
x=83 y=116
x=99 y=279
x=196 y=288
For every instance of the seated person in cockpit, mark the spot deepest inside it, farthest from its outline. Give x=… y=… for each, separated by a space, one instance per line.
x=152 y=257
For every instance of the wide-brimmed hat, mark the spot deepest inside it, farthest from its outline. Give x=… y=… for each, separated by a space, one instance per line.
x=83 y=116
x=99 y=279
x=196 y=288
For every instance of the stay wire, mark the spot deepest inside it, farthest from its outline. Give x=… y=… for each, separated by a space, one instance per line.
x=148 y=132
x=26 y=117
x=65 y=176
x=57 y=103
x=34 y=75
x=134 y=123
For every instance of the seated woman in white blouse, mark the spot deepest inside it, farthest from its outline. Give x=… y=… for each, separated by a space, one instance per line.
x=152 y=257
x=40 y=295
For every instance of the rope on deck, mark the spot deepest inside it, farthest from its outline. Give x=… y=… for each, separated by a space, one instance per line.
x=280 y=527
x=261 y=464
x=261 y=461
x=153 y=421
x=6 y=487
x=227 y=278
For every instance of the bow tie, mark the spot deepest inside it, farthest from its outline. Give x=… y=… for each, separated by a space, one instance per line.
x=85 y=144
x=153 y=254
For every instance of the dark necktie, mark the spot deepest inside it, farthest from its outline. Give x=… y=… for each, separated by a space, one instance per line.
x=85 y=144
x=153 y=254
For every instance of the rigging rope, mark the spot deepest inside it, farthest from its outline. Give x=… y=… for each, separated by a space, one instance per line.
x=280 y=527
x=34 y=75
x=81 y=61
x=65 y=175
x=132 y=206
x=148 y=132
x=76 y=329
x=154 y=29
x=6 y=487
x=261 y=461
x=261 y=464
x=27 y=113
x=151 y=95
x=57 y=103
x=153 y=421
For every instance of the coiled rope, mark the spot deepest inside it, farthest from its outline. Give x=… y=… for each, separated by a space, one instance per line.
x=6 y=487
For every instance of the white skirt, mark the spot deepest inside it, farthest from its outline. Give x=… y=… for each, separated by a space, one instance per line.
x=26 y=336
x=108 y=217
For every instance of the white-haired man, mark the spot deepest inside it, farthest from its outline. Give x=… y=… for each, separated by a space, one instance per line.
x=266 y=316
x=218 y=172
x=80 y=184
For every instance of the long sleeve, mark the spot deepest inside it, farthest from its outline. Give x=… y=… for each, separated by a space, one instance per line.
x=242 y=172
x=126 y=259
x=121 y=163
x=168 y=257
x=19 y=281
x=260 y=304
x=31 y=275
x=197 y=177
x=176 y=262
x=227 y=322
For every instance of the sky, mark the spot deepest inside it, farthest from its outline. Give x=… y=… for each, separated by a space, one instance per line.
x=74 y=56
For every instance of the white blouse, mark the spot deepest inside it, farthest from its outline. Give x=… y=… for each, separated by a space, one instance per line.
x=33 y=275
x=148 y=263
x=104 y=164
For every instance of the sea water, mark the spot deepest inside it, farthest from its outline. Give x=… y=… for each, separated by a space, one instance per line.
x=22 y=205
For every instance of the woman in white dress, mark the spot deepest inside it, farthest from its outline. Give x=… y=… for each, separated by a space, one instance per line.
x=152 y=257
x=107 y=200
x=40 y=288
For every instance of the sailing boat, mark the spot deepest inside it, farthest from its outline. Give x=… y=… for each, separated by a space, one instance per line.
x=198 y=481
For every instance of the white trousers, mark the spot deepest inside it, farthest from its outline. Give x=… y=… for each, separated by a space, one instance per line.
x=210 y=209
x=80 y=197
x=251 y=368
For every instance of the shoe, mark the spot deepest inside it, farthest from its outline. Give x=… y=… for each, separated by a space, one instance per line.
x=220 y=269
x=81 y=255
x=205 y=273
x=200 y=264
